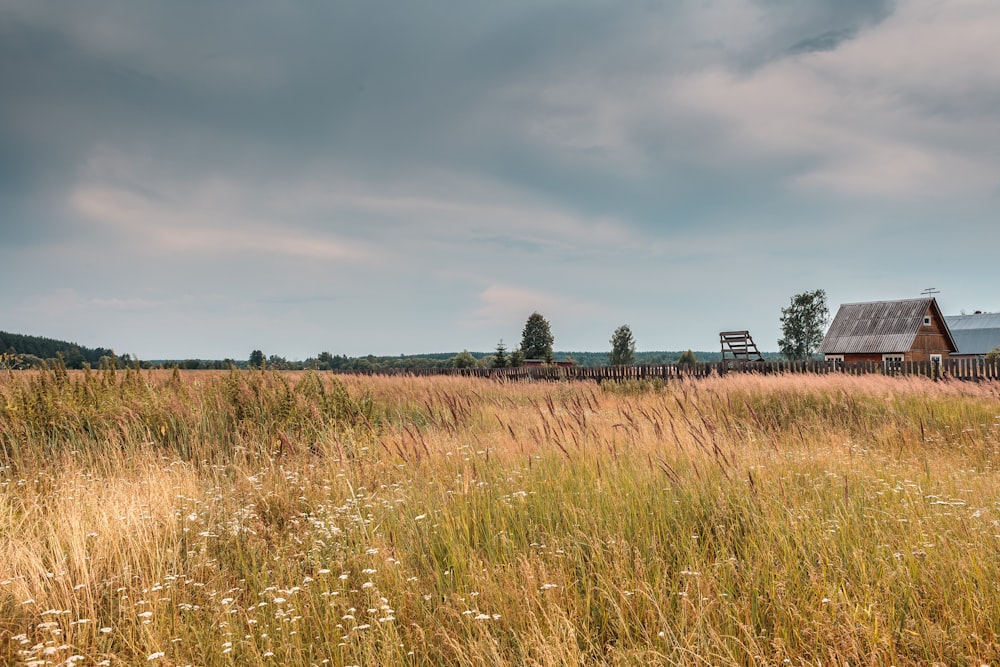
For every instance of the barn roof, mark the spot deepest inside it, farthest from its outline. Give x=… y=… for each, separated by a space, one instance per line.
x=878 y=327
x=975 y=334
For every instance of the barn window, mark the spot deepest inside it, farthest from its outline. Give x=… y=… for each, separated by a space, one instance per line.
x=927 y=321
x=893 y=363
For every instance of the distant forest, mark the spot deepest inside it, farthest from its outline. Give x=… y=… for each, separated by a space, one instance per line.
x=21 y=351
x=34 y=351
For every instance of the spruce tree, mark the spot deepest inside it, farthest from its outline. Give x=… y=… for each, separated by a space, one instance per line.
x=500 y=357
x=536 y=339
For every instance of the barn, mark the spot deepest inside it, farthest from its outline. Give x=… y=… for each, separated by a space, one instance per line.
x=976 y=335
x=889 y=331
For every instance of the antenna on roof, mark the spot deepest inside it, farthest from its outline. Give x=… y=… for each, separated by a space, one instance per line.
x=931 y=291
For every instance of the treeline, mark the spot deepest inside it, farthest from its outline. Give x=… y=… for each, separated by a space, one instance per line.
x=36 y=351
x=19 y=351
x=466 y=359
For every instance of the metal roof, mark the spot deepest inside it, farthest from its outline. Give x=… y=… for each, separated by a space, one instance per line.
x=975 y=334
x=877 y=327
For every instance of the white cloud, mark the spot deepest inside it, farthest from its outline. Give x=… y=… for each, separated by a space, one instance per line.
x=201 y=215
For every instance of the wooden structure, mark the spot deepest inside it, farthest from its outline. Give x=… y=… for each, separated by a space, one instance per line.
x=541 y=362
x=976 y=335
x=908 y=330
x=954 y=368
x=738 y=346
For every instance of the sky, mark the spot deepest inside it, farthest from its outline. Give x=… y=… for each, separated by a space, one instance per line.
x=199 y=179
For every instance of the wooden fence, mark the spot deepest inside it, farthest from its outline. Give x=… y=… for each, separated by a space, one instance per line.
x=960 y=369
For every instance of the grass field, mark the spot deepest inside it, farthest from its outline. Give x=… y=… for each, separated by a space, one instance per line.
x=303 y=519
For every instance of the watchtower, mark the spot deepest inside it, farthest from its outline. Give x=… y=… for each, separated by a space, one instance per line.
x=739 y=346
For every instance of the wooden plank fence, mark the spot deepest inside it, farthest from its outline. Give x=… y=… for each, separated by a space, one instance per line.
x=960 y=369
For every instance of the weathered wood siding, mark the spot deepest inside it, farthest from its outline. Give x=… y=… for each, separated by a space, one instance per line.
x=949 y=368
x=931 y=339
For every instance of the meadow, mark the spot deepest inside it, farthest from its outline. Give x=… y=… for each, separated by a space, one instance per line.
x=264 y=518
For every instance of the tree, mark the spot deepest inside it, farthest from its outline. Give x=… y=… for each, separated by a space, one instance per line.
x=536 y=339
x=687 y=358
x=622 y=347
x=802 y=324
x=463 y=359
x=256 y=359
x=500 y=357
x=277 y=363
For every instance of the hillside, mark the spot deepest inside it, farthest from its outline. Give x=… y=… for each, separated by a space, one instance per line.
x=32 y=350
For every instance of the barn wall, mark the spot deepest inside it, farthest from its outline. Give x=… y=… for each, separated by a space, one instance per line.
x=932 y=339
x=854 y=358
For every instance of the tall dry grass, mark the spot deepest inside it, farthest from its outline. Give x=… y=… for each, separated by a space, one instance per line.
x=258 y=518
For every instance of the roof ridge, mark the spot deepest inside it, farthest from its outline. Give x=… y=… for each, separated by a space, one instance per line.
x=858 y=303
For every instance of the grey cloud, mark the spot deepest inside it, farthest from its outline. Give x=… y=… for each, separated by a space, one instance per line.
x=474 y=144
x=828 y=41
x=820 y=25
x=391 y=88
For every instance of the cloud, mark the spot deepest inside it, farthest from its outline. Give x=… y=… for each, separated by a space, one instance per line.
x=501 y=306
x=446 y=168
x=215 y=215
x=876 y=117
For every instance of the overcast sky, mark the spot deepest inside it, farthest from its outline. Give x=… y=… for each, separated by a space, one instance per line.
x=185 y=179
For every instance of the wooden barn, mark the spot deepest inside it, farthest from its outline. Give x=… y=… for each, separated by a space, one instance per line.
x=889 y=331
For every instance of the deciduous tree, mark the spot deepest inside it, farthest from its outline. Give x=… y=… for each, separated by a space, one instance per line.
x=802 y=324
x=622 y=347
x=257 y=359
x=463 y=359
x=687 y=358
